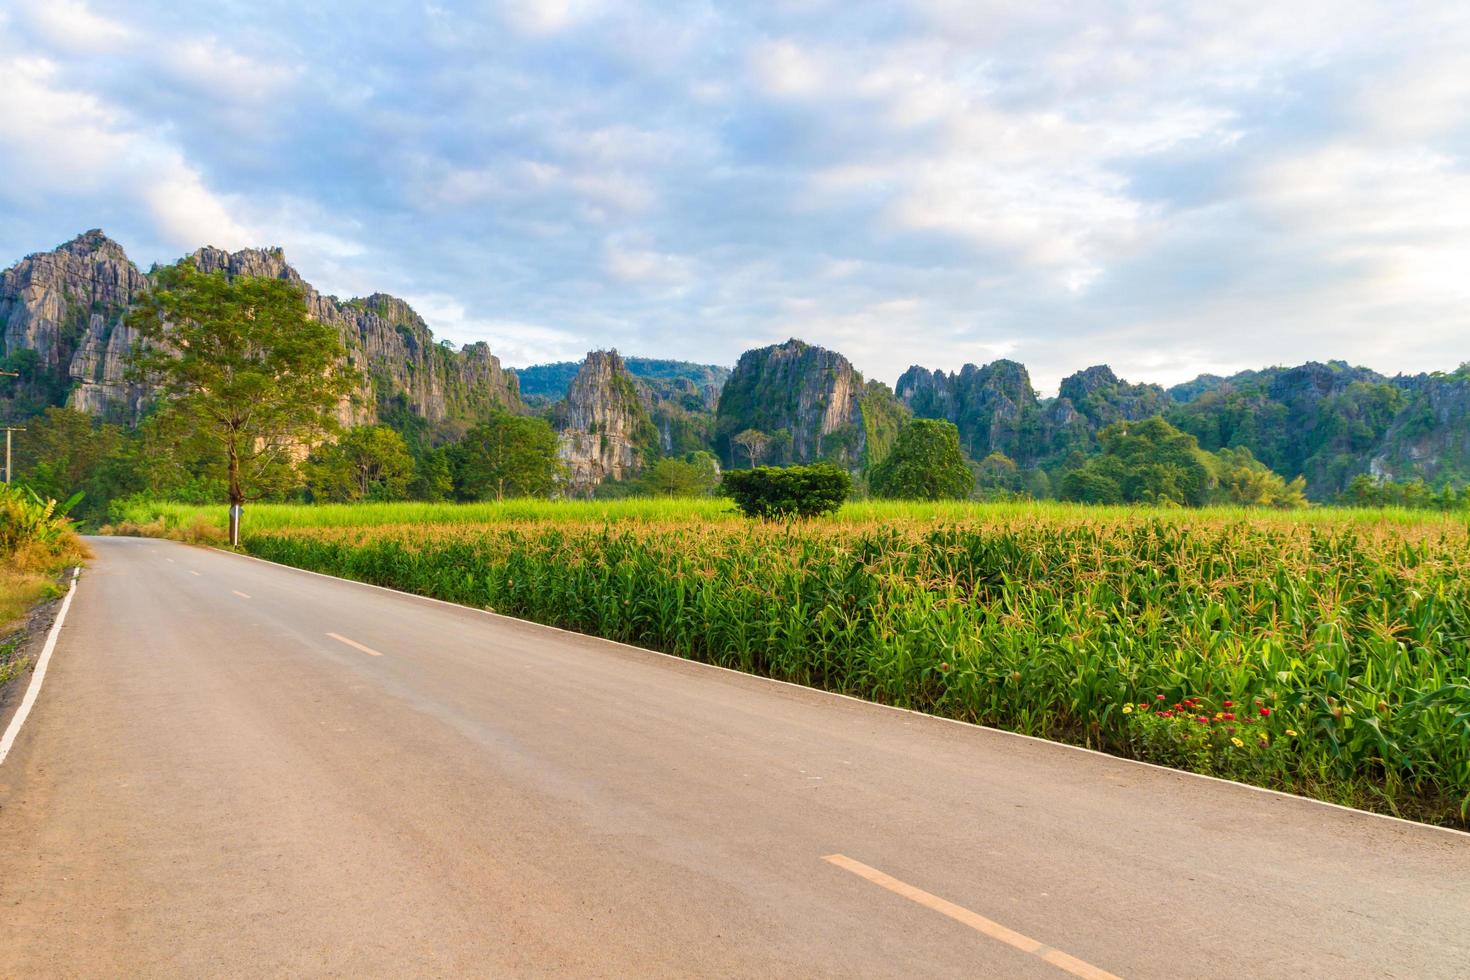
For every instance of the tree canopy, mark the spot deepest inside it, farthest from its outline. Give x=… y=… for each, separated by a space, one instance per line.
x=925 y=463
x=506 y=456
x=240 y=361
x=1154 y=463
x=787 y=491
x=370 y=462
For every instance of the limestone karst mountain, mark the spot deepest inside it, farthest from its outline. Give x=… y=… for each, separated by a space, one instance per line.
x=810 y=404
x=606 y=430
x=62 y=321
x=62 y=314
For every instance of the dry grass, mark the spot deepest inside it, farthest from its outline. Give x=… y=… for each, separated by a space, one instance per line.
x=195 y=528
x=19 y=591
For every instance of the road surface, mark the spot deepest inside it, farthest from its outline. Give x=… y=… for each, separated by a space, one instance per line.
x=237 y=768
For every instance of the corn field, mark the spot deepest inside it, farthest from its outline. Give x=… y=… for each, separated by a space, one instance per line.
x=1323 y=656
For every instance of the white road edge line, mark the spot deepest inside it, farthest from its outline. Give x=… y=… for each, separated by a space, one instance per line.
x=39 y=674
x=873 y=704
x=242 y=595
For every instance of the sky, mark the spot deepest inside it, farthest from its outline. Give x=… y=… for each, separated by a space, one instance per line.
x=1170 y=188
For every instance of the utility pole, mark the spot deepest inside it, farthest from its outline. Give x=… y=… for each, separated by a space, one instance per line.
x=9 y=430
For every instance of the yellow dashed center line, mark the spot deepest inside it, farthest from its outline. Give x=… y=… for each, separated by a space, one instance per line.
x=976 y=921
x=355 y=645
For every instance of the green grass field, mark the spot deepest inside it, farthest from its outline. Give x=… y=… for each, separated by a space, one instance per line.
x=265 y=517
x=1325 y=652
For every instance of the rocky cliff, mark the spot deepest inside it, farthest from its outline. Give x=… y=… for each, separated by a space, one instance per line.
x=1102 y=398
x=62 y=314
x=997 y=410
x=606 y=430
x=1330 y=422
x=994 y=407
x=810 y=403
x=1429 y=437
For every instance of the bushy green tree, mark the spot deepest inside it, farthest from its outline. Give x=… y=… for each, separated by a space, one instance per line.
x=997 y=477
x=1148 y=462
x=370 y=462
x=506 y=456
x=63 y=452
x=241 y=361
x=925 y=463
x=696 y=475
x=1093 y=484
x=433 y=478
x=1242 y=480
x=790 y=491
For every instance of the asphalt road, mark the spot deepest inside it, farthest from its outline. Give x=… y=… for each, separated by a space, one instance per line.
x=235 y=768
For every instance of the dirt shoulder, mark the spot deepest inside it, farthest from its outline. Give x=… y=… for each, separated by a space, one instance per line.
x=20 y=646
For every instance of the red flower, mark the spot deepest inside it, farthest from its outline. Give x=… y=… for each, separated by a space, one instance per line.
x=1229 y=715
x=1265 y=712
x=1178 y=707
x=1229 y=704
x=1203 y=720
x=1166 y=713
x=1158 y=697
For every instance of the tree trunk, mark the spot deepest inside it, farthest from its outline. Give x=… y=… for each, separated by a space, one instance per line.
x=237 y=495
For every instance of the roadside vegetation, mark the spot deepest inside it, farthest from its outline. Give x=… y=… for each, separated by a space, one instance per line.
x=1319 y=651
x=36 y=542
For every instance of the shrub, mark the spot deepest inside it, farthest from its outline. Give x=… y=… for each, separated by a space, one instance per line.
x=791 y=491
x=35 y=533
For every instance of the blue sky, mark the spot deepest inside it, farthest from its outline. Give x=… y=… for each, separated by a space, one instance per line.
x=1169 y=188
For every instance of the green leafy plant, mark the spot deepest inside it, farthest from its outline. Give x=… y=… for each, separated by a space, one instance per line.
x=925 y=464
x=786 y=492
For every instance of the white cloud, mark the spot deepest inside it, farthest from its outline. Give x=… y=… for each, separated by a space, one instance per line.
x=216 y=70
x=516 y=343
x=638 y=265
x=71 y=25
x=547 y=16
x=1398 y=219
x=187 y=214
x=57 y=140
x=785 y=68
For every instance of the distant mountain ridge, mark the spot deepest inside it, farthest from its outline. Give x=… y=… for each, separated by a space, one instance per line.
x=554 y=380
x=62 y=320
x=62 y=315
x=1327 y=422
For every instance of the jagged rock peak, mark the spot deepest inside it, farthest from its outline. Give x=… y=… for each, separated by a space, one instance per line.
x=608 y=432
x=94 y=243
x=266 y=263
x=810 y=403
x=390 y=308
x=993 y=405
